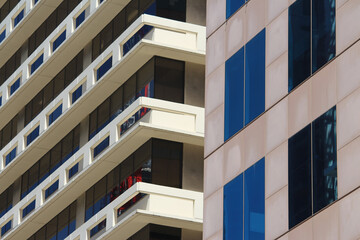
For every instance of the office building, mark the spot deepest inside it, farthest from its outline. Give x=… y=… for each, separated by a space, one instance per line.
x=102 y=119
x=282 y=120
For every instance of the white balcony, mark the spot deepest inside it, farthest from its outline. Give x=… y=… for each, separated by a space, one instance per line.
x=168 y=38
x=165 y=120
x=34 y=16
x=160 y=205
x=53 y=61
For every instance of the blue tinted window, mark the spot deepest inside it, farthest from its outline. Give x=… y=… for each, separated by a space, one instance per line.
x=35 y=1
x=300 y=176
x=55 y=114
x=2 y=36
x=50 y=190
x=18 y=18
x=0 y=101
x=234 y=94
x=99 y=148
x=233 y=209
x=254 y=201
x=299 y=42
x=76 y=94
x=6 y=228
x=37 y=63
x=28 y=209
x=104 y=68
x=73 y=170
x=232 y=6
x=11 y=155
x=255 y=77
x=136 y=38
x=33 y=135
x=98 y=228
x=59 y=40
x=324 y=159
x=80 y=18
x=323 y=32
x=15 y=86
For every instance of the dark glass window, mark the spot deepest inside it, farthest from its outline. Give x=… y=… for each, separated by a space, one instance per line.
x=323 y=32
x=28 y=209
x=157 y=232
x=50 y=190
x=60 y=227
x=324 y=159
x=6 y=199
x=234 y=94
x=312 y=168
x=18 y=18
x=311 y=38
x=233 y=208
x=10 y=66
x=33 y=135
x=7 y=7
x=2 y=35
x=59 y=40
x=8 y=132
x=55 y=114
x=101 y=147
x=244 y=204
x=245 y=95
x=10 y=156
x=175 y=10
x=37 y=63
x=104 y=68
x=80 y=19
x=232 y=6
x=6 y=227
x=50 y=162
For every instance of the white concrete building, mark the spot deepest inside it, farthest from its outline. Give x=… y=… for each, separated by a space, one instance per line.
x=102 y=119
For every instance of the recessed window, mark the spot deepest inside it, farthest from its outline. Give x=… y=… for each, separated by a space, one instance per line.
x=19 y=17
x=104 y=68
x=312 y=168
x=101 y=146
x=80 y=19
x=37 y=63
x=59 y=40
x=6 y=228
x=74 y=170
x=76 y=94
x=311 y=38
x=15 y=86
x=244 y=204
x=33 y=135
x=245 y=90
x=50 y=190
x=2 y=35
x=28 y=209
x=55 y=114
x=98 y=228
x=10 y=156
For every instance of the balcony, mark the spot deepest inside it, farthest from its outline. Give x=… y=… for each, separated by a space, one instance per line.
x=57 y=49
x=158 y=205
x=183 y=123
x=167 y=38
x=21 y=22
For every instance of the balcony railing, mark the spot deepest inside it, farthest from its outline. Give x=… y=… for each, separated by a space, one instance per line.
x=156 y=201
x=181 y=40
x=182 y=122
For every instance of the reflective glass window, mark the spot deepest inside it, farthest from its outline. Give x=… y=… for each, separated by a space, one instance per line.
x=232 y=6
x=255 y=77
x=234 y=94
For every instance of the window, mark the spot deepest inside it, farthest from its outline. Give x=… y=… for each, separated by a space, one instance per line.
x=244 y=204
x=10 y=156
x=245 y=85
x=36 y=64
x=6 y=199
x=232 y=6
x=104 y=68
x=98 y=228
x=2 y=35
x=6 y=228
x=7 y=7
x=28 y=209
x=74 y=170
x=157 y=232
x=55 y=114
x=60 y=227
x=15 y=86
x=50 y=190
x=312 y=168
x=80 y=19
x=18 y=18
x=33 y=135
x=76 y=94
x=311 y=38
x=10 y=66
x=8 y=132
x=101 y=146
x=59 y=40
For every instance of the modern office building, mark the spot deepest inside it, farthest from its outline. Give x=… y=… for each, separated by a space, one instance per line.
x=102 y=119
x=282 y=129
